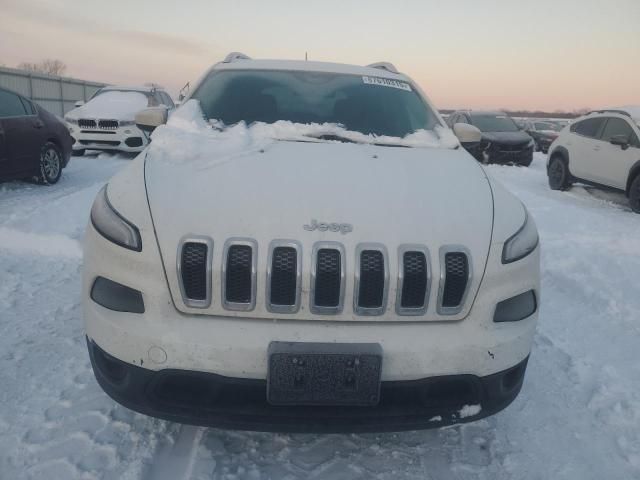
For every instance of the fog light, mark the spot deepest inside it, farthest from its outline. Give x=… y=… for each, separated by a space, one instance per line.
x=117 y=297
x=516 y=308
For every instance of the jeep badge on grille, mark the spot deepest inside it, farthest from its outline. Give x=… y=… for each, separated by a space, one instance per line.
x=343 y=228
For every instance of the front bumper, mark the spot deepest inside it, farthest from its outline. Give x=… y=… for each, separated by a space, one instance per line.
x=208 y=399
x=124 y=139
x=496 y=153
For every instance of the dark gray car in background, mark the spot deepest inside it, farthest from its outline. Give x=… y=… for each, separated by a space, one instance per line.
x=502 y=140
x=34 y=144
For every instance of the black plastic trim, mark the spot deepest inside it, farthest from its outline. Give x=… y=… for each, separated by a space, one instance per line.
x=116 y=297
x=207 y=399
x=502 y=317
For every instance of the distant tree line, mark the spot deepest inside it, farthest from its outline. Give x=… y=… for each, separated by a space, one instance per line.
x=537 y=113
x=49 y=66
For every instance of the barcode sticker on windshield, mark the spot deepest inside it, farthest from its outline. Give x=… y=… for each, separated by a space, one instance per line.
x=386 y=82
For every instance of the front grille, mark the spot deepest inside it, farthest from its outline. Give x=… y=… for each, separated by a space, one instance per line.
x=414 y=280
x=371 y=282
x=284 y=277
x=327 y=288
x=108 y=124
x=456 y=271
x=86 y=123
x=512 y=148
x=194 y=274
x=239 y=277
x=283 y=289
x=111 y=143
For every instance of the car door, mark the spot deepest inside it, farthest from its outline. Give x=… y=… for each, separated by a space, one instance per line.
x=583 y=145
x=615 y=161
x=16 y=128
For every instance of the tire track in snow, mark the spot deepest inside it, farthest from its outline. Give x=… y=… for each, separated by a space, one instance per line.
x=175 y=461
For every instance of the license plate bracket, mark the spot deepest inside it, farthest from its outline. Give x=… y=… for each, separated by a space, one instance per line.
x=338 y=374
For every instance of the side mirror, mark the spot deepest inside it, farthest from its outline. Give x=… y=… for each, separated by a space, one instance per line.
x=79 y=103
x=148 y=119
x=467 y=134
x=620 y=140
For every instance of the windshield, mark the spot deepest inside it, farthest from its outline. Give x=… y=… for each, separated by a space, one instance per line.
x=494 y=123
x=369 y=105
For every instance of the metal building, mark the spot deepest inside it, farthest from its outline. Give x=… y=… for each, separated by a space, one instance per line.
x=56 y=94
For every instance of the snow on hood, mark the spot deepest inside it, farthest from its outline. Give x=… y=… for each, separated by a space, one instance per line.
x=188 y=137
x=112 y=105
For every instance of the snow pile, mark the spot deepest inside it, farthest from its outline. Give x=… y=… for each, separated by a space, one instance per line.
x=469 y=411
x=113 y=105
x=211 y=143
x=53 y=245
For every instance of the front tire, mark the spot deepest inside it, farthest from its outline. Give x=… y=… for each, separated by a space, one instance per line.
x=50 y=164
x=634 y=194
x=558 y=173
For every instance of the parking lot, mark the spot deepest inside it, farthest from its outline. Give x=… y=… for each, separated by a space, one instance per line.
x=577 y=416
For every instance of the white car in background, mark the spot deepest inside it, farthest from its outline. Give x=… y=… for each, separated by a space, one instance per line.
x=304 y=246
x=601 y=148
x=107 y=121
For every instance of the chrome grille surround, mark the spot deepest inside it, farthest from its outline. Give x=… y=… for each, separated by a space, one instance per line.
x=370 y=311
x=442 y=310
x=324 y=310
x=298 y=248
x=412 y=311
x=189 y=302
x=228 y=305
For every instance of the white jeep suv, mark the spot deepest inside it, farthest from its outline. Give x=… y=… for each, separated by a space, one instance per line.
x=304 y=246
x=107 y=120
x=601 y=148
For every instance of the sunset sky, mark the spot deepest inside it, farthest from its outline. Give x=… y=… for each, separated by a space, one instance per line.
x=538 y=54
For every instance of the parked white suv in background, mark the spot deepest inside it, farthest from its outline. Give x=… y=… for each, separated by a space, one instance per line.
x=304 y=246
x=601 y=148
x=107 y=120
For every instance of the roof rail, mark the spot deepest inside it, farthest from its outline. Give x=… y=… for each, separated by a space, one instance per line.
x=611 y=110
x=234 y=56
x=389 y=67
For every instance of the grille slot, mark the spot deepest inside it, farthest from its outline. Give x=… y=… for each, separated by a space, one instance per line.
x=371 y=280
x=414 y=279
x=86 y=123
x=283 y=277
x=194 y=271
x=108 y=124
x=455 y=278
x=238 y=276
x=327 y=278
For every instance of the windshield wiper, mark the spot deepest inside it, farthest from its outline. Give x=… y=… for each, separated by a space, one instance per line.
x=332 y=137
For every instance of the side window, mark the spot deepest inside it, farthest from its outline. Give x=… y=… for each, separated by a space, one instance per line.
x=28 y=106
x=589 y=127
x=462 y=119
x=11 y=105
x=618 y=126
x=167 y=99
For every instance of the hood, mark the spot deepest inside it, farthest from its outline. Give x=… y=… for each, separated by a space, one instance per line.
x=389 y=195
x=112 y=105
x=506 y=138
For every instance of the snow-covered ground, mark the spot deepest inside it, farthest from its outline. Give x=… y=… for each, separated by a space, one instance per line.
x=578 y=416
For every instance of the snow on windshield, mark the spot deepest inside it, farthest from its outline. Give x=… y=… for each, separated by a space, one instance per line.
x=114 y=104
x=190 y=135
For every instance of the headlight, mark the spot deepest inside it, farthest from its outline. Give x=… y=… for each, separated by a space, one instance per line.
x=127 y=123
x=522 y=243
x=112 y=226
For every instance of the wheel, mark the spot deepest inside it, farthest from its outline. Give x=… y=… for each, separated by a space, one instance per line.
x=50 y=164
x=634 y=194
x=78 y=153
x=558 y=172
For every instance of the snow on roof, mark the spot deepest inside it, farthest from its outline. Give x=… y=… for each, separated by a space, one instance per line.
x=132 y=88
x=633 y=110
x=308 y=66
